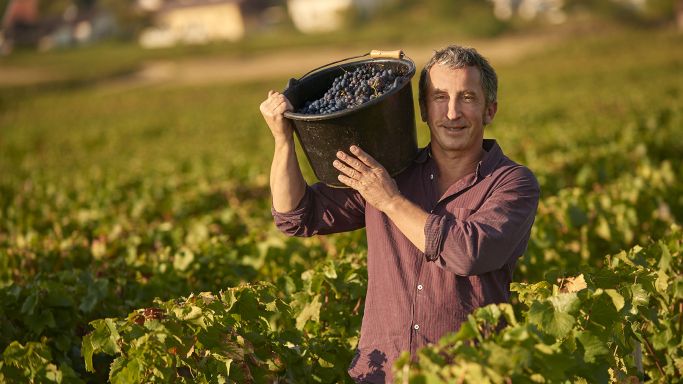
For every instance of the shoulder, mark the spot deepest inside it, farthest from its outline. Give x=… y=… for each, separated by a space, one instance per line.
x=515 y=170
x=501 y=167
x=509 y=174
x=413 y=169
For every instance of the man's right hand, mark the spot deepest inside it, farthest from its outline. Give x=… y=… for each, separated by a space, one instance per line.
x=273 y=109
x=287 y=184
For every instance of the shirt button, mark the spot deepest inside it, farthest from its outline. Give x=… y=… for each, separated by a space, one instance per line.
x=416 y=326
x=419 y=287
x=431 y=176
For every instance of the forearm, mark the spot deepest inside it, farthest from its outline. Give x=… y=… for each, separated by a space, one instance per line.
x=371 y=179
x=409 y=218
x=287 y=184
x=484 y=240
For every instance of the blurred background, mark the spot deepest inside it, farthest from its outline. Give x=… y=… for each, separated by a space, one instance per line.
x=134 y=161
x=125 y=37
x=59 y=24
x=74 y=52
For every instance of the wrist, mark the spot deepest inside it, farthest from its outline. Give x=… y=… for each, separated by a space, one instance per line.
x=284 y=140
x=393 y=204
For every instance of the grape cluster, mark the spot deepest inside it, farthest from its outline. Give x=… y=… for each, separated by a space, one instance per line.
x=353 y=89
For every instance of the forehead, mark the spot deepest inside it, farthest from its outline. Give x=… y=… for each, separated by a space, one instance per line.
x=445 y=77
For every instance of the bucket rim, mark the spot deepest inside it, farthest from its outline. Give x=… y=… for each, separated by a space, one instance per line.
x=309 y=117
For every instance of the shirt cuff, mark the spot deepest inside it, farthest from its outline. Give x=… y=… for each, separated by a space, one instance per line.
x=435 y=233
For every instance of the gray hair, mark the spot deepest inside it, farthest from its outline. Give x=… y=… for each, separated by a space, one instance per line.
x=455 y=56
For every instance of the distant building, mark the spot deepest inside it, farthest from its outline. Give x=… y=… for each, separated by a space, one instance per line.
x=197 y=21
x=551 y=10
x=78 y=27
x=20 y=12
x=312 y=16
x=19 y=24
x=554 y=10
x=22 y=25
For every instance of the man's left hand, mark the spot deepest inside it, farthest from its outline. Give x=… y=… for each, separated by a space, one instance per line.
x=364 y=174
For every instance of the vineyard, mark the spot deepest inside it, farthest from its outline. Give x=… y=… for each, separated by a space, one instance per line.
x=137 y=243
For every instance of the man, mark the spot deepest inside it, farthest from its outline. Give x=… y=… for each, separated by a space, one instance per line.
x=443 y=236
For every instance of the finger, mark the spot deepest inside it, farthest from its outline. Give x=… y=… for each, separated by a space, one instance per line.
x=349 y=182
x=345 y=169
x=281 y=100
x=270 y=101
x=280 y=105
x=352 y=162
x=364 y=157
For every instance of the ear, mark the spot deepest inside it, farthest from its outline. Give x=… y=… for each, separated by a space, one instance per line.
x=423 y=111
x=490 y=112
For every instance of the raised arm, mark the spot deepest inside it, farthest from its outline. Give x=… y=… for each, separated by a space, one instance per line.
x=287 y=184
x=300 y=210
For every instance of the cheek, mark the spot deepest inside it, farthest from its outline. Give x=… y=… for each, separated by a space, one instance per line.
x=435 y=111
x=475 y=112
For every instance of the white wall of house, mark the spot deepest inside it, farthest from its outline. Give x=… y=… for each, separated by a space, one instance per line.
x=196 y=25
x=311 y=16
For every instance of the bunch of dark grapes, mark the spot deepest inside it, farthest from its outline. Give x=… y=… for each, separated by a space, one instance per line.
x=353 y=89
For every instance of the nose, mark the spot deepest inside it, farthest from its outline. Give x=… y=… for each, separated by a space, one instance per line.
x=453 y=109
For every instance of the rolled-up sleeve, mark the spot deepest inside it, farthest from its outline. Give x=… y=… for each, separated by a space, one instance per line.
x=323 y=210
x=489 y=237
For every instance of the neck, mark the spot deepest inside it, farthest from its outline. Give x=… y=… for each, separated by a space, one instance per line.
x=453 y=166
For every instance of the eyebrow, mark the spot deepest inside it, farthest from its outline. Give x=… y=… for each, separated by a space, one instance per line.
x=438 y=90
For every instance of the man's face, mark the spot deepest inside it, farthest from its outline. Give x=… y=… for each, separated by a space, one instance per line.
x=455 y=109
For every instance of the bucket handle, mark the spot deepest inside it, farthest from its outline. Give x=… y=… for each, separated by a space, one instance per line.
x=375 y=54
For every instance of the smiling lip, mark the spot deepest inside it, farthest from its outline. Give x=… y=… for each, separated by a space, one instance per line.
x=454 y=128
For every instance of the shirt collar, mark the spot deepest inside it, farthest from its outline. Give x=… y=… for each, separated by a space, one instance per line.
x=423 y=154
x=492 y=155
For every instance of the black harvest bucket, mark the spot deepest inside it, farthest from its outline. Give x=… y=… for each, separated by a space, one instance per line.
x=383 y=127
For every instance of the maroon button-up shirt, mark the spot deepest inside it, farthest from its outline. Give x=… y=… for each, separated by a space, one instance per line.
x=475 y=232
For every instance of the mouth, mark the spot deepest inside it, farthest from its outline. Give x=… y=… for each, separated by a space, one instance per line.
x=454 y=128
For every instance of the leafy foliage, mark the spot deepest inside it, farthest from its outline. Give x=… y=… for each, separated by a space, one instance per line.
x=33 y=363
x=136 y=242
x=243 y=334
x=617 y=323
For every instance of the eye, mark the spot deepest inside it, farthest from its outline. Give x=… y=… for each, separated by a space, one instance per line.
x=469 y=98
x=440 y=97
